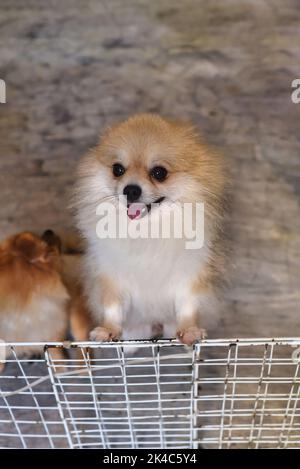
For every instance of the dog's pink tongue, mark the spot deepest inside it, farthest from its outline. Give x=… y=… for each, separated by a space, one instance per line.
x=135 y=210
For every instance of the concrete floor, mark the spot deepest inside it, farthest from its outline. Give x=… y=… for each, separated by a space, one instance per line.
x=72 y=67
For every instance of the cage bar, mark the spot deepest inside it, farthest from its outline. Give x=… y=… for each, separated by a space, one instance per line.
x=233 y=393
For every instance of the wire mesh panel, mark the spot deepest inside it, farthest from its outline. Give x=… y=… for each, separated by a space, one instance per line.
x=129 y=396
x=220 y=394
x=29 y=416
x=117 y=395
x=248 y=394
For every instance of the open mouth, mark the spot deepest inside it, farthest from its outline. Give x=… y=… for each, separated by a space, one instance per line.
x=137 y=210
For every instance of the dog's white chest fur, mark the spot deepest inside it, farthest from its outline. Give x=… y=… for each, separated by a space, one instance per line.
x=150 y=274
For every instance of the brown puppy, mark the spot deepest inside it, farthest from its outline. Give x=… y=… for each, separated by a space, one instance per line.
x=33 y=299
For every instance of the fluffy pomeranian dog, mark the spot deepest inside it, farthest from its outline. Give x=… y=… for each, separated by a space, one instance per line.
x=33 y=299
x=139 y=288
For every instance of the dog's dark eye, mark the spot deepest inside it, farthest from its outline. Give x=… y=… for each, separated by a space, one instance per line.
x=159 y=173
x=118 y=170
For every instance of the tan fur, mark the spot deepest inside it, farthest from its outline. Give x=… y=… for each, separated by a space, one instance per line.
x=196 y=173
x=110 y=292
x=79 y=316
x=33 y=299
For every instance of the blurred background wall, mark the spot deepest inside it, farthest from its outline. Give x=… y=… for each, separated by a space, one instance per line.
x=73 y=67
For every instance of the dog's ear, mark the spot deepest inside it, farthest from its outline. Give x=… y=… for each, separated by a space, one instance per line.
x=27 y=246
x=52 y=240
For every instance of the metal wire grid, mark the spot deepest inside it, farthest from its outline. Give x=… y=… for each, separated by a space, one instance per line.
x=248 y=393
x=123 y=395
x=222 y=394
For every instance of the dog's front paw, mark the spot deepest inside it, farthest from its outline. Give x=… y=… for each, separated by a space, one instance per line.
x=105 y=334
x=190 y=335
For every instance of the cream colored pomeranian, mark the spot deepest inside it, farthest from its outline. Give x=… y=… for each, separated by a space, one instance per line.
x=137 y=287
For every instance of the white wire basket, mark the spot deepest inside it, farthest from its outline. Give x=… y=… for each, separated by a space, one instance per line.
x=138 y=394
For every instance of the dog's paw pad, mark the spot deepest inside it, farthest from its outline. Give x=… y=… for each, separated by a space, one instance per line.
x=104 y=334
x=190 y=335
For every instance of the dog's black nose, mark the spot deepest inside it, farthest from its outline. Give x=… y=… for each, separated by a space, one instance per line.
x=51 y=239
x=132 y=192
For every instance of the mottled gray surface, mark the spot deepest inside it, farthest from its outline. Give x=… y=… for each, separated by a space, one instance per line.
x=72 y=67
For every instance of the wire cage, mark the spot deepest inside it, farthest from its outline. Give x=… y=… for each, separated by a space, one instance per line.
x=238 y=393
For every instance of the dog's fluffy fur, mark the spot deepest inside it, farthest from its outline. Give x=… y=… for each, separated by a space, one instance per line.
x=33 y=299
x=135 y=285
x=81 y=321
